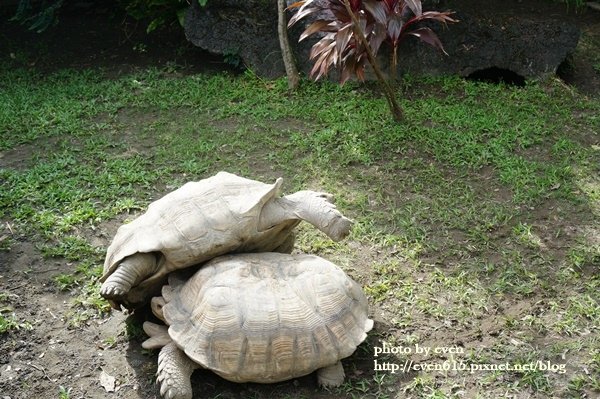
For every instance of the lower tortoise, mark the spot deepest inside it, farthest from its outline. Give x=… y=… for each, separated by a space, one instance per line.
x=261 y=318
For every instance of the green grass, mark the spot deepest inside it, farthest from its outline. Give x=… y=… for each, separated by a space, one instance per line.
x=9 y=321
x=474 y=216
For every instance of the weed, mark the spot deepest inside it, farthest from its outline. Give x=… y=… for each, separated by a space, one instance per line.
x=64 y=393
x=536 y=379
x=577 y=383
x=134 y=330
x=10 y=322
x=65 y=281
x=110 y=342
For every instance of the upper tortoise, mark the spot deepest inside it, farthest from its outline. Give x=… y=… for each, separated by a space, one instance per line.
x=222 y=214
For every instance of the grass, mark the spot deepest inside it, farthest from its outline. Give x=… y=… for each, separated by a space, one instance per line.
x=8 y=318
x=473 y=219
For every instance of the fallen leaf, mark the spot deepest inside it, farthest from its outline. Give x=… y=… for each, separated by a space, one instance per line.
x=107 y=381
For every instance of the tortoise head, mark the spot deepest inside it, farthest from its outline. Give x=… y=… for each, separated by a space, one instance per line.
x=157 y=304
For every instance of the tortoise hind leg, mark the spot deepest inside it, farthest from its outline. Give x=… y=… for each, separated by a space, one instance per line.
x=314 y=207
x=331 y=376
x=131 y=271
x=174 y=372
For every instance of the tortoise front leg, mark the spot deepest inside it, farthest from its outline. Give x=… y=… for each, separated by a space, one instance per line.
x=314 y=207
x=174 y=372
x=130 y=272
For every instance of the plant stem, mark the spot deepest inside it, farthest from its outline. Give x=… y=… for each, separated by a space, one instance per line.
x=395 y=109
x=393 y=68
x=286 y=52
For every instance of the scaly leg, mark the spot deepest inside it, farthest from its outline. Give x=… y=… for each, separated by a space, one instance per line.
x=331 y=376
x=130 y=272
x=315 y=208
x=174 y=372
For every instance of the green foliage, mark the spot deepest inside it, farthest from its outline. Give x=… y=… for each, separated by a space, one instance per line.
x=574 y=4
x=38 y=16
x=64 y=393
x=41 y=15
x=11 y=322
x=8 y=319
x=159 y=12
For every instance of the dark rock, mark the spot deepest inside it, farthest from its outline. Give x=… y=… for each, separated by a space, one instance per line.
x=506 y=35
x=529 y=47
x=244 y=28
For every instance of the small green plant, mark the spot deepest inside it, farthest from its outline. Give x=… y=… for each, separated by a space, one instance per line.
x=10 y=322
x=575 y=4
x=536 y=379
x=5 y=243
x=110 y=342
x=64 y=393
x=232 y=57
x=134 y=330
x=65 y=281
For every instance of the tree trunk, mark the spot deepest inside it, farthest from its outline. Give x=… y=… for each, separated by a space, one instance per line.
x=286 y=51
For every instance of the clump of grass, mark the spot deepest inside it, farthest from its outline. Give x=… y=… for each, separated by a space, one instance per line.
x=64 y=393
x=10 y=322
x=8 y=318
x=87 y=305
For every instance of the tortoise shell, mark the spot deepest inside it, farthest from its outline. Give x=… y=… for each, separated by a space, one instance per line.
x=197 y=222
x=266 y=317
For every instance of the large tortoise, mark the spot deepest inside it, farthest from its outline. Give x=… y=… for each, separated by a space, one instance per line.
x=263 y=318
x=202 y=220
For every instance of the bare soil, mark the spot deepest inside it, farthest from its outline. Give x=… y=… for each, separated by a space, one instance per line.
x=35 y=363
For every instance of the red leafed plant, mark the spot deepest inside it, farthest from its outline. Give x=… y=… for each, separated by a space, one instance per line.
x=354 y=30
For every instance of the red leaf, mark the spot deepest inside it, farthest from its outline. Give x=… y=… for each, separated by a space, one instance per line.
x=415 y=6
x=347 y=69
x=426 y=35
x=315 y=27
x=360 y=71
x=362 y=21
x=378 y=37
x=343 y=38
x=377 y=9
x=395 y=26
x=296 y=5
x=325 y=44
x=438 y=16
x=301 y=14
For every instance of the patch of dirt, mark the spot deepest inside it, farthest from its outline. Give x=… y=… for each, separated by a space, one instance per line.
x=25 y=155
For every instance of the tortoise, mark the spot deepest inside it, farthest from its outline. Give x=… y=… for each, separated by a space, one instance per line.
x=260 y=317
x=222 y=214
